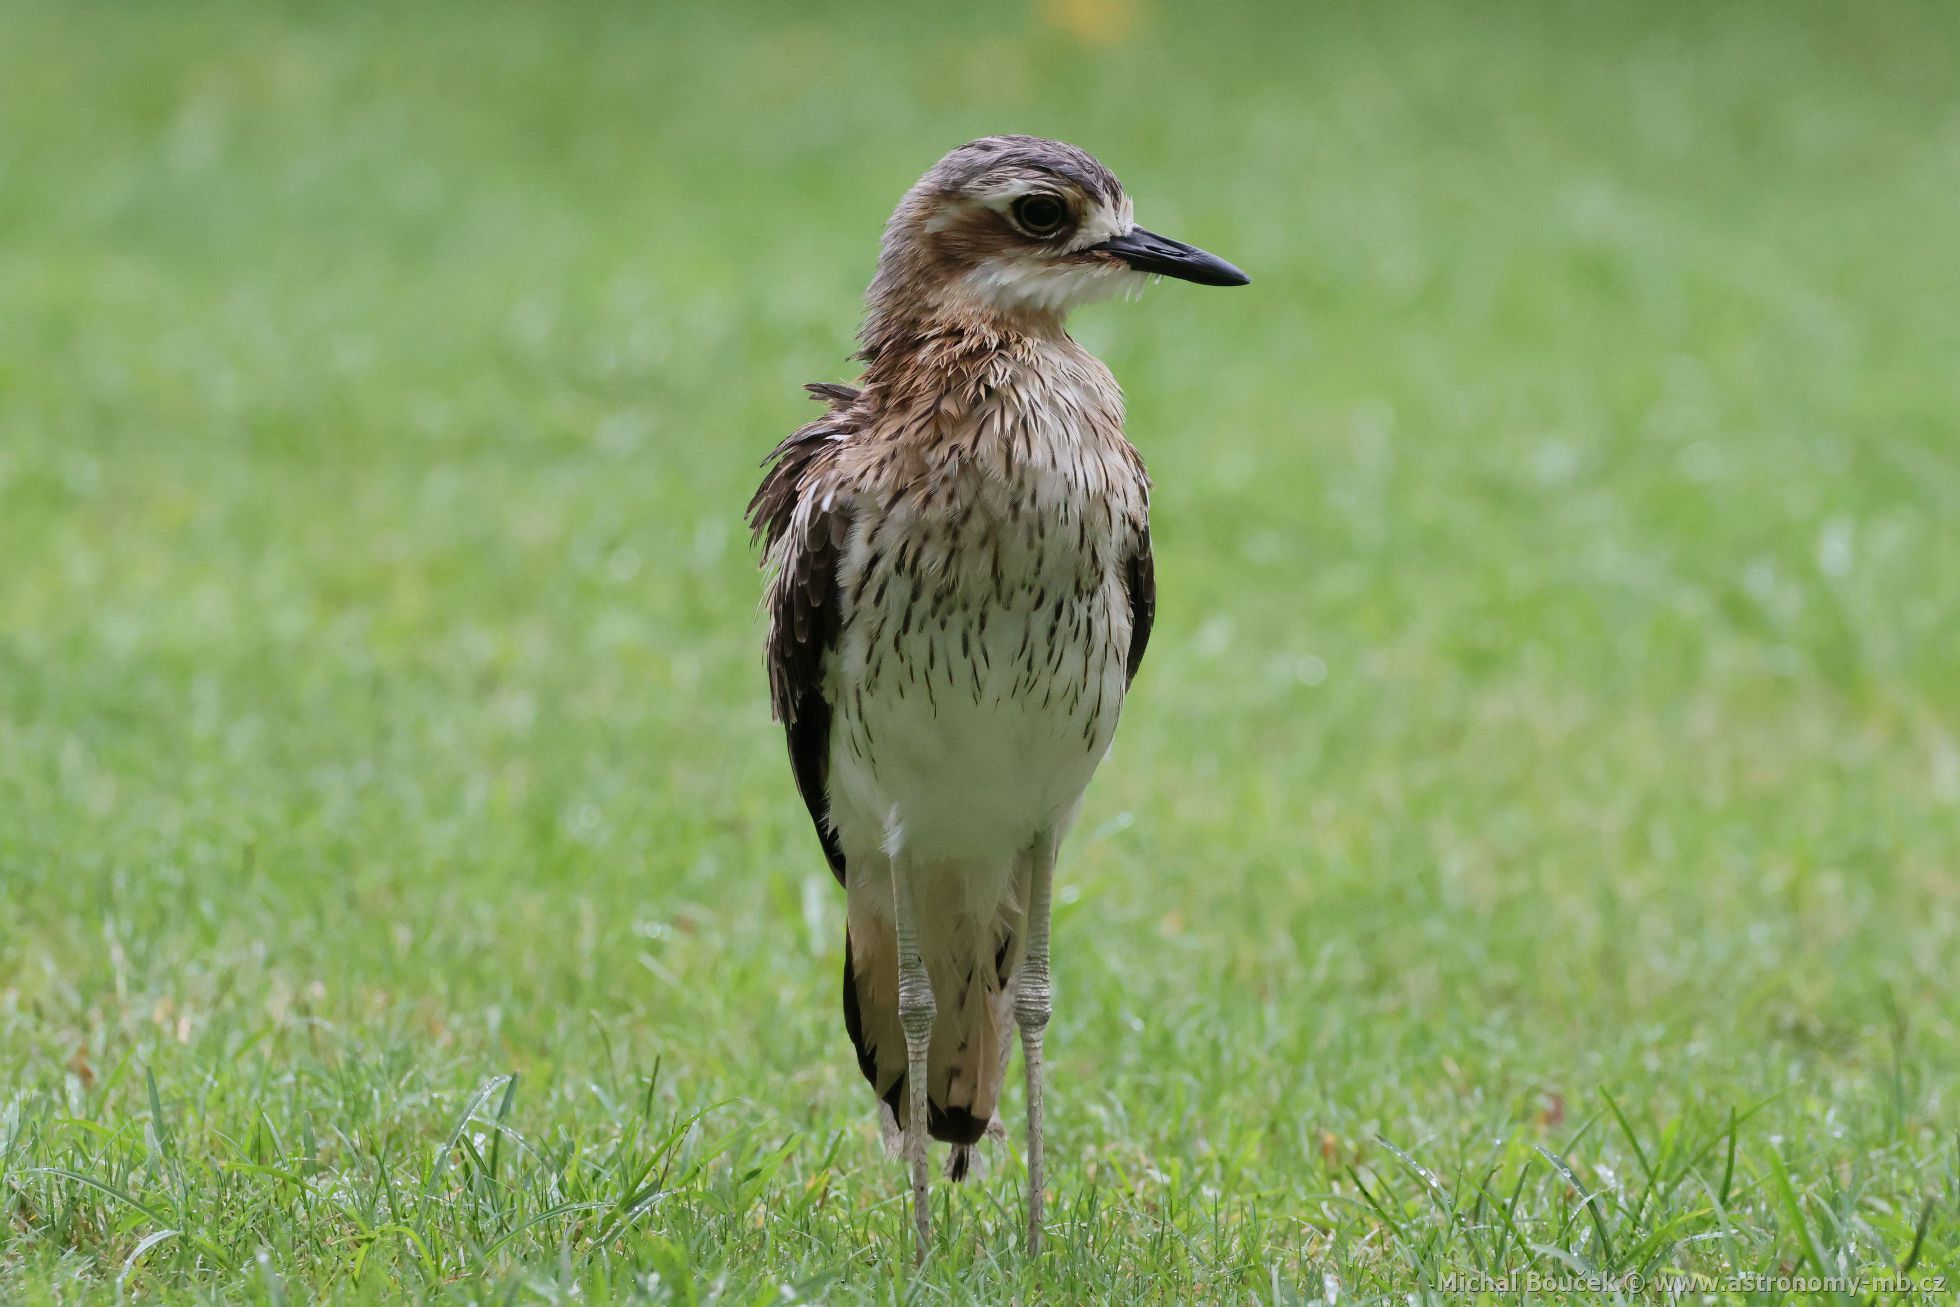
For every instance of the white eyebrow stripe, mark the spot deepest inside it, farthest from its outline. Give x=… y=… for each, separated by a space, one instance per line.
x=1101 y=222
x=999 y=197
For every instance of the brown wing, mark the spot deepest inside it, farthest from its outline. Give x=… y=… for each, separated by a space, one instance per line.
x=807 y=544
x=1141 y=577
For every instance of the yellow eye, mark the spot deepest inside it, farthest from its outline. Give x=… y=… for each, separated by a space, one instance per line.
x=1040 y=215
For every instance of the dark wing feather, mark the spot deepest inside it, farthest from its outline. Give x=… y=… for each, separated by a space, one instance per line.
x=1140 y=575
x=834 y=393
x=804 y=608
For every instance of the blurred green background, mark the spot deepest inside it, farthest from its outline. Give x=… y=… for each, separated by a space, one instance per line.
x=1535 y=840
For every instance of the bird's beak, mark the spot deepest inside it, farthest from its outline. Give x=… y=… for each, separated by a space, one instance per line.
x=1146 y=251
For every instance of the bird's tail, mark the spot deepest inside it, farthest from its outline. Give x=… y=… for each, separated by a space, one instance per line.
x=972 y=1036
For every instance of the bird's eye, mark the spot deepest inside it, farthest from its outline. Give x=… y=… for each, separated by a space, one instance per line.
x=1040 y=215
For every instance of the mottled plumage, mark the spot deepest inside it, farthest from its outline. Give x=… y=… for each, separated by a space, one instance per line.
x=962 y=592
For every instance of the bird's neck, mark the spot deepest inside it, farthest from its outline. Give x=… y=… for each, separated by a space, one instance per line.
x=898 y=340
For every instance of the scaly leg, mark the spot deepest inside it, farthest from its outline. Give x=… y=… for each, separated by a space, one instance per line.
x=1032 y=999
x=916 y=1011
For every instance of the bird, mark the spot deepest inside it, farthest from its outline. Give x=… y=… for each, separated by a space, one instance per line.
x=961 y=588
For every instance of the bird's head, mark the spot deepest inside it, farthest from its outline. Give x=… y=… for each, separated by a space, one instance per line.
x=1022 y=227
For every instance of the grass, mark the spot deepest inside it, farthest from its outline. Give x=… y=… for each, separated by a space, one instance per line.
x=1535 y=843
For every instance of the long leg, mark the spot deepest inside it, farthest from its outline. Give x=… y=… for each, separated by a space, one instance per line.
x=916 y=1010
x=1032 y=999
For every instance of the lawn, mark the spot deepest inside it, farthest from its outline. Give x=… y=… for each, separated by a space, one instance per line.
x=1534 y=843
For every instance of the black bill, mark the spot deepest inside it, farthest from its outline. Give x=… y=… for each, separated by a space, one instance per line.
x=1146 y=251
